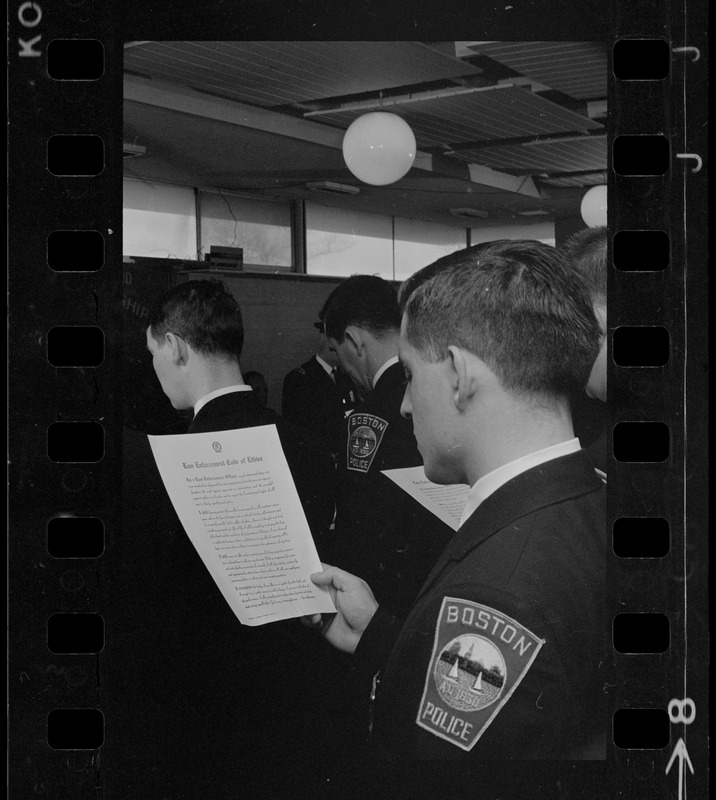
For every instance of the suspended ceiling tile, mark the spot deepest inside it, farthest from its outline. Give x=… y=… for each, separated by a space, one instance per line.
x=278 y=73
x=482 y=115
x=571 y=156
x=579 y=69
x=578 y=181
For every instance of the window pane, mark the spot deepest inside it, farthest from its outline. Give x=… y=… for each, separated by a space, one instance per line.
x=158 y=221
x=344 y=243
x=262 y=228
x=418 y=244
x=541 y=231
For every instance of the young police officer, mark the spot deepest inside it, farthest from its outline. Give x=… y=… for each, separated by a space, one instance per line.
x=499 y=656
x=218 y=697
x=381 y=532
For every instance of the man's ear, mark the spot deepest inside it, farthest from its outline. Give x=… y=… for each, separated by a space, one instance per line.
x=354 y=336
x=179 y=348
x=464 y=376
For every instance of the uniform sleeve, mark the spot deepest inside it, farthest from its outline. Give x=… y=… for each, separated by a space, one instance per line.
x=377 y=641
x=476 y=673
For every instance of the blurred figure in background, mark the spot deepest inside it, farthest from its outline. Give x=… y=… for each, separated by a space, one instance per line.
x=258 y=384
x=318 y=395
x=586 y=251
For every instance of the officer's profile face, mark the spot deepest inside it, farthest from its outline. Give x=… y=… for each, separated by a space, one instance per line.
x=167 y=371
x=428 y=402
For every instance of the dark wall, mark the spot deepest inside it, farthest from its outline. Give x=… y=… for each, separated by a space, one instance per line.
x=278 y=313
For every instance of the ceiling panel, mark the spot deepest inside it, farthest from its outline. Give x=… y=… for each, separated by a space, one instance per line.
x=578 y=69
x=579 y=181
x=570 y=156
x=479 y=115
x=275 y=152
x=279 y=73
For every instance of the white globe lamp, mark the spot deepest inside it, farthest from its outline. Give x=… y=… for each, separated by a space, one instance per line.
x=379 y=148
x=594 y=206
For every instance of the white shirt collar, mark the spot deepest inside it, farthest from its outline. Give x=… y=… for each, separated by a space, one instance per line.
x=325 y=365
x=389 y=363
x=493 y=480
x=238 y=387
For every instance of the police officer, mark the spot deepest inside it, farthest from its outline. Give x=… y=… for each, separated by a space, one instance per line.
x=217 y=697
x=381 y=532
x=318 y=395
x=500 y=655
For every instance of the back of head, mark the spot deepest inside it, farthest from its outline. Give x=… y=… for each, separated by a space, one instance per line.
x=586 y=251
x=366 y=301
x=205 y=314
x=515 y=305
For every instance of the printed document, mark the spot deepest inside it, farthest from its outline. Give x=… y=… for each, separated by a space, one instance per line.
x=446 y=502
x=236 y=499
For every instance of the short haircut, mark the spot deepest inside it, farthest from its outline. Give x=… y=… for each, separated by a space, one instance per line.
x=516 y=306
x=365 y=301
x=586 y=251
x=409 y=285
x=205 y=314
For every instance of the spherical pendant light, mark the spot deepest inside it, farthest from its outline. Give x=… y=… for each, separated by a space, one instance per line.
x=594 y=206
x=379 y=148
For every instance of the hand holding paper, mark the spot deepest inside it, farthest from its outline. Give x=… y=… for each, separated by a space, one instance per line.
x=235 y=497
x=355 y=606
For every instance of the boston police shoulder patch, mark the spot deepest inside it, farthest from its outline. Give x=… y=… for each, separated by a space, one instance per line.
x=479 y=657
x=365 y=433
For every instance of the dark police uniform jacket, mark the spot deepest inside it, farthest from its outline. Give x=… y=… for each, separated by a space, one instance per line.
x=313 y=401
x=382 y=534
x=195 y=696
x=598 y=452
x=500 y=656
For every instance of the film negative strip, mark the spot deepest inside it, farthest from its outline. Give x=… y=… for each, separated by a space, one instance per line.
x=650 y=406
x=68 y=619
x=63 y=456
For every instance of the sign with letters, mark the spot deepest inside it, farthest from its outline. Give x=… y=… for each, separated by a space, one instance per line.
x=479 y=658
x=365 y=433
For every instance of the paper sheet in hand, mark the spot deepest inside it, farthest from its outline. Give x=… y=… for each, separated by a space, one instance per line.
x=236 y=499
x=446 y=502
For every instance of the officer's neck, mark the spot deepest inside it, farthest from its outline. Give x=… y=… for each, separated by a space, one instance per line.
x=512 y=432
x=211 y=374
x=380 y=352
